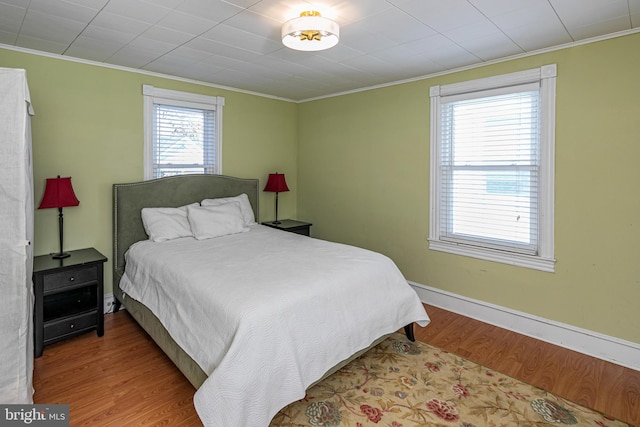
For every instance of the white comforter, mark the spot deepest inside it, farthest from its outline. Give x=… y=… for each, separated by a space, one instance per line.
x=266 y=313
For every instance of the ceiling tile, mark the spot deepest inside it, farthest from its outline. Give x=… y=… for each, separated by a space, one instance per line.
x=607 y=26
x=52 y=28
x=279 y=65
x=166 y=67
x=169 y=4
x=257 y=24
x=119 y=23
x=20 y=3
x=137 y=10
x=154 y=47
x=241 y=39
x=133 y=56
x=63 y=9
x=531 y=25
x=484 y=41
x=345 y=11
x=339 y=53
x=592 y=16
x=186 y=23
x=223 y=62
x=216 y=11
x=11 y=17
x=359 y=36
x=279 y=10
x=237 y=42
x=108 y=35
x=502 y=7
x=8 y=38
x=186 y=55
x=373 y=65
x=440 y=15
x=242 y=3
x=216 y=48
x=413 y=65
x=634 y=9
x=93 y=49
x=41 y=44
x=398 y=26
x=430 y=46
x=167 y=35
x=93 y=4
x=443 y=51
x=490 y=48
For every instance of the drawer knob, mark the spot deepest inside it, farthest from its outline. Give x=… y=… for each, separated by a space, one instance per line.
x=71 y=279
x=71 y=326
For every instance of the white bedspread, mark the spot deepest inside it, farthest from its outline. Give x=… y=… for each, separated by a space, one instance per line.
x=266 y=313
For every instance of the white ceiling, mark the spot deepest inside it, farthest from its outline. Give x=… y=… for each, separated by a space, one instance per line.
x=236 y=43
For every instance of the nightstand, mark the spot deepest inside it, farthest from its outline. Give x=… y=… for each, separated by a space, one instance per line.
x=69 y=296
x=292 y=226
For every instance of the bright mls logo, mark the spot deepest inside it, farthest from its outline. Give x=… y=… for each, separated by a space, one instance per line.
x=36 y=415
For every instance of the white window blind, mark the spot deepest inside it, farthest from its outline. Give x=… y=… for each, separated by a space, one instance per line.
x=492 y=168
x=489 y=169
x=183 y=133
x=184 y=140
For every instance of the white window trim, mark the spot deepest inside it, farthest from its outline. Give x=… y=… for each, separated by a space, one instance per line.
x=154 y=95
x=544 y=260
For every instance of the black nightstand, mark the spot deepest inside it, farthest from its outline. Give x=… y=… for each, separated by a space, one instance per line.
x=292 y=226
x=69 y=296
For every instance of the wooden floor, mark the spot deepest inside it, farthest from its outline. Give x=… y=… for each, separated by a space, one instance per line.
x=123 y=379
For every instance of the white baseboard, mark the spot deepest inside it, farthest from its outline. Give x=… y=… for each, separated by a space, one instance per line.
x=611 y=349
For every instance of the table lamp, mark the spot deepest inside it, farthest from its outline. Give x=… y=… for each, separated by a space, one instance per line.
x=58 y=193
x=276 y=184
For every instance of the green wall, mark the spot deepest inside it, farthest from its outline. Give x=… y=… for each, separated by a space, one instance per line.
x=363 y=179
x=358 y=168
x=89 y=125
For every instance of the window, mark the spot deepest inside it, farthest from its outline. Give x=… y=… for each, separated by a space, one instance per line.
x=182 y=133
x=492 y=168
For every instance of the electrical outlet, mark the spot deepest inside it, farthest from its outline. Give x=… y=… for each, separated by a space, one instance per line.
x=109 y=303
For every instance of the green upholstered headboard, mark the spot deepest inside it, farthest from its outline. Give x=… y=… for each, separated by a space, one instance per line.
x=174 y=191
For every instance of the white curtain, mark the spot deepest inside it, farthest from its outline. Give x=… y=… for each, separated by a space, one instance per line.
x=16 y=239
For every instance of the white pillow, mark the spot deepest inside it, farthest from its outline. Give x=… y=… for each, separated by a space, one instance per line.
x=163 y=224
x=245 y=206
x=208 y=222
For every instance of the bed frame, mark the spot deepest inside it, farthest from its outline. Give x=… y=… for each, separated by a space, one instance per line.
x=175 y=191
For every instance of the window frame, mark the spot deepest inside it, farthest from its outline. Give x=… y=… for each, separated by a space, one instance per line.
x=153 y=95
x=544 y=259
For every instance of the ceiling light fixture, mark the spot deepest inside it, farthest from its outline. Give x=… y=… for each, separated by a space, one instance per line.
x=310 y=32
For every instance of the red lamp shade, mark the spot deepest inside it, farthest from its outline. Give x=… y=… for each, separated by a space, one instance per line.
x=276 y=183
x=58 y=193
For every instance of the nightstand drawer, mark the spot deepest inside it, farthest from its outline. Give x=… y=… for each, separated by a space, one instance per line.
x=59 y=329
x=69 y=278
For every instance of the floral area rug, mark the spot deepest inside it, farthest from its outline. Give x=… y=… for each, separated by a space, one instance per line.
x=401 y=384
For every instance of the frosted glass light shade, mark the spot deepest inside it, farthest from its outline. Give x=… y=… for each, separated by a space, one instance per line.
x=310 y=32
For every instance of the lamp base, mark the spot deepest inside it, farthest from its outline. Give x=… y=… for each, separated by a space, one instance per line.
x=61 y=255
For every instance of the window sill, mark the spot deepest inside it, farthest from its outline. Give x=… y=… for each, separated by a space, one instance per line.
x=519 y=260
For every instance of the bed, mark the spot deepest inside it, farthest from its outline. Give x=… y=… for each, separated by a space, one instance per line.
x=265 y=331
